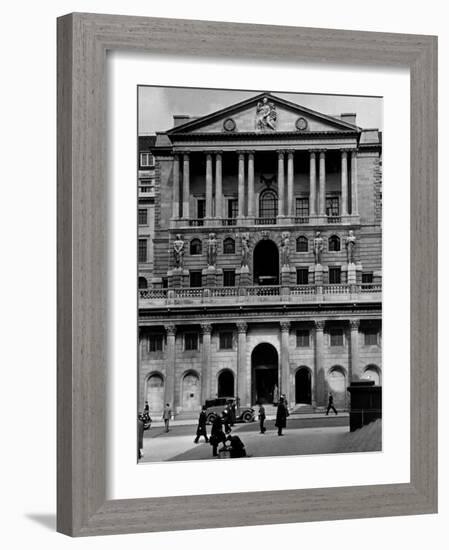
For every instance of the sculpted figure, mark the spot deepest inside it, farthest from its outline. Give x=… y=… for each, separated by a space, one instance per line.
x=211 y=250
x=266 y=115
x=285 y=248
x=245 y=249
x=350 y=245
x=317 y=247
x=178 y=251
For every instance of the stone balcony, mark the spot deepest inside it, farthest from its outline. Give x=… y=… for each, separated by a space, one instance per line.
x=184 y=223
x=232 y=295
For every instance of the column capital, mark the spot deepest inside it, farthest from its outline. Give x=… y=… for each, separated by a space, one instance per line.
x=242 y=327
x=185 y=153
x=285 y=326
x=319 y=324
x=241 y=152
x=206 y=328
x=290 y=152
x=170 y=329
x=280 y=152
x=354 y=324
x=208 y=153
x=217 y=152
x=251 y=152
x=321 y=151
x=344 y=152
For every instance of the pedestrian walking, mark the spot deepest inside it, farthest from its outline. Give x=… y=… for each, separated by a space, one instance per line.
x=166 y=415
x=281 y=416
x=226 y=415
x=262 y=417
x=201 y=428
x=236 y=448
x=233 y=413
x=330 y=404
x=139 y=437
x=217 y=434
x=275 y=395
x=146 y=409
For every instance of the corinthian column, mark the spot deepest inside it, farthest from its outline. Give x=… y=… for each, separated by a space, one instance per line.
x=205 y=362
x=175 y=212
x=354 y=183
x=218 y=186
x=322 y=176
x=290 y=178
x=251 y=185
x=318 y=389
x=170 y=362
x=208 y=186
x=186 y=186
x=312 y=184
x=281 y=171
x=242 y=368
x=354 y=367
x=241 y=185
x=285 y=360
x=344 y=183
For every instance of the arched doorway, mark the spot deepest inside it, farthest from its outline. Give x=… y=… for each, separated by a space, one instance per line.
x=264 y=373
x=372 y=372
x=155 y=393
x=336 y=382
x=266 y=263
x=303 y=386
x=190 y=392
x=226 y=383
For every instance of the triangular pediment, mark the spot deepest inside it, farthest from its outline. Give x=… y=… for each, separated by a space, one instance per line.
x=264 y=113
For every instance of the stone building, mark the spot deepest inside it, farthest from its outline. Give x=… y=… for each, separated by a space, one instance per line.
x=266 y=260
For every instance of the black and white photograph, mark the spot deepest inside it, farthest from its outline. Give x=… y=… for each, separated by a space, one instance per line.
x=259 y=274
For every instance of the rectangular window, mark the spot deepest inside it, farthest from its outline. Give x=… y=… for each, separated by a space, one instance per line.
x=164 y=282
x=302 y=339
x=226 y=340
x=367 y=277
x=302 y=276
x=142 y=250
x=371 y=337
x=332 y=206
x=228 y=277
x=146 y=159
x=146 y=186
x=195 y=279
x=336 y=336
x=334 y=275
x=191 y=341
x=143 y=216
x=200 y=208
x=155 y=342
x=302 y=208
x=233 y=207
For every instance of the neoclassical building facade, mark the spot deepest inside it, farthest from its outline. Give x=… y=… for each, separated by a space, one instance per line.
x=263 y=271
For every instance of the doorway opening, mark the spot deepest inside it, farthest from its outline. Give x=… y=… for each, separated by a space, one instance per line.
x=303 y=386
x=226 y=383
x=266 y=263
x=264 y=374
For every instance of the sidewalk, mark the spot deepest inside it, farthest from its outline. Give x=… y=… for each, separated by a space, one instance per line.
x=194 y=421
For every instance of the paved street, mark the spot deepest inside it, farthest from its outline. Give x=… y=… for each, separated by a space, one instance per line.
x=309 y=435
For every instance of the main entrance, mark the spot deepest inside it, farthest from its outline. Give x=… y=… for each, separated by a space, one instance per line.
x=264 y=374
x=266 y=263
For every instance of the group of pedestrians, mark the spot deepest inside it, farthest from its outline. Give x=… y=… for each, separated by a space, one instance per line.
x=281 y=416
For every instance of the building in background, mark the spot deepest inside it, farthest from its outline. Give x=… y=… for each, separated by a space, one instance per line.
x=259 y=257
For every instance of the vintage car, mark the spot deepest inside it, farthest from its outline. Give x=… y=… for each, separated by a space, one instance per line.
x=215 y=407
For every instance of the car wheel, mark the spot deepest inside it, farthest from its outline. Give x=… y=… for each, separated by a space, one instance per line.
x=247 y=416
x=210 y=418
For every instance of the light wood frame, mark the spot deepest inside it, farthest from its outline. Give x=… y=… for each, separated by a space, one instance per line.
x=83 y=40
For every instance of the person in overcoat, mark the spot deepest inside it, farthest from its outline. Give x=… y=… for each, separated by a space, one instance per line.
x=330 y=404
x=236 y=447
x=201 y=428
x=281 y=416
x=166 y=415
x=139 y=437
x=217 y=434
x=262 y=417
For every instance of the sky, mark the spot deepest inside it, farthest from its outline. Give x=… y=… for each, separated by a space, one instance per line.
x=157 y=105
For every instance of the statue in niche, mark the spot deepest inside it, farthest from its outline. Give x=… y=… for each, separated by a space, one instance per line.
x=266 y=115
x=178 y=251
x=285 y=248
x=350 y=245
x=318 y=247
x=211 y=250
x=245 y=250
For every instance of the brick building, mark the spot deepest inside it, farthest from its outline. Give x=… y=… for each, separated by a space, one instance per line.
x=261 y=265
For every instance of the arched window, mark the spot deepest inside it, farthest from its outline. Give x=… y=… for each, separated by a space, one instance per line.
x=268 y=204
x=334 y=244
x=143 y=284
x=195 y=247
x=229 y=246
x=302 y=244
x=373 y=372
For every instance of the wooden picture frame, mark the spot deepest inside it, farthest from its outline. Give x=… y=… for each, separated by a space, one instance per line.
x=83 y=40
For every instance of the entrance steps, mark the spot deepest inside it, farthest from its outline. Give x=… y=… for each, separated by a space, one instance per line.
x=302 y=409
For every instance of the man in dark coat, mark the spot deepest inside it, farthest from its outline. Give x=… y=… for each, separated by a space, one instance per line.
x=226 y=414
x=236 y=448
x=281 y=416
x=201 y=429
x=217 y=434
x=139 y=437
x=330 y=404
x=262 y=417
